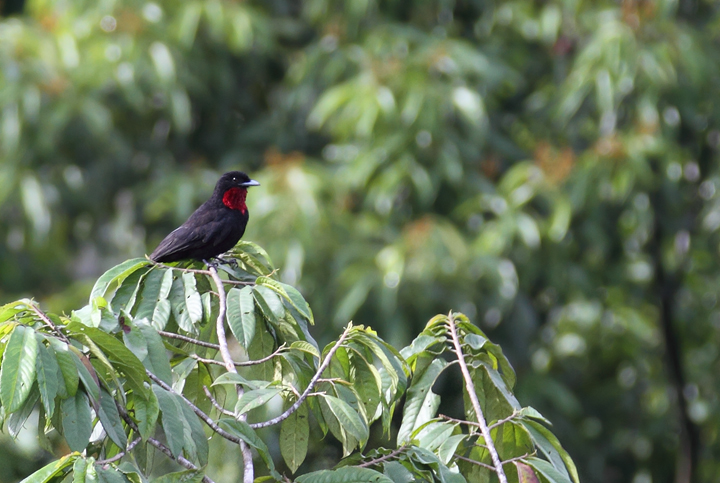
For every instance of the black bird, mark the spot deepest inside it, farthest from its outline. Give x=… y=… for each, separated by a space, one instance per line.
x=215 y=227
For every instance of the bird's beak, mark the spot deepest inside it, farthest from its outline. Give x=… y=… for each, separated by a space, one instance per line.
x=247 y=184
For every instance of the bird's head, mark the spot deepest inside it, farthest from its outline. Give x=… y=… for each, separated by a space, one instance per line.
x=232 y=188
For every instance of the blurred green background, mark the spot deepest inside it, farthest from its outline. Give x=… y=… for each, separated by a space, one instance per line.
x=549 y=168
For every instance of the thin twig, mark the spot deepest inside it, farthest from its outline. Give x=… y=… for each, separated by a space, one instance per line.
x=479 y=463
x=216 y=404
x=195 y=270
x=249 y=469
x=460 y=421
x=500 y=422
x=43 y=316
x=239 y=364
x=201 y=414
x=310 y=386
x=470 y=387
x=184 y=338
x=120 y=454
x=383 y=458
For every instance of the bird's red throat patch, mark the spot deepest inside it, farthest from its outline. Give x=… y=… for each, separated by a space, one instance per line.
x=234 y=198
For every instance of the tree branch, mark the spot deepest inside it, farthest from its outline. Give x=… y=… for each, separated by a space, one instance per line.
x=249 y=469
x=470 y=387
x=184 y=338
x=43 y=316
x=383 y=458
x=120 y=454
x=216 y=404
x=239 y=364
x=310 y=386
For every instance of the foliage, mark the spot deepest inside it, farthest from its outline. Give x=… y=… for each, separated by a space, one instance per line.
x=139 y=359
x=549 y=168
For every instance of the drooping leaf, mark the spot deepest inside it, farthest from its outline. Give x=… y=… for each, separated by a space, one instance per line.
x=269 y=303
x=348 y=418
x=157 y=360
x=290 y=294
x=115 y=276
x=294 y=434
x=194 y=433
x=552 y=449
x=76 y=421
x=47 y=375
x=187 y=476
x=17 y=373
x=241 y=315
x=255 y=398
x=172 y=420
x=243 y=431
x=421 y=403
x=147 y=410
x=110 y=419
x=68 y=371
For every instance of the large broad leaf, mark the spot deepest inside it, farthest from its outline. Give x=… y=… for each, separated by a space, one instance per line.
x=147 y=410
x=157 y=360
x=290 y=294
x=47 y=375
x=17 y=419
x=348 y=474
x=49 y=472
x=110 y=419
x=241 y=315
x=68 y=378
x=256 y=398
x=269 y=303
x=294 y=434
x=148 y=294
x=172 y=420
x=547 y=470
x=18 y=368
x=348 y=418
x=120 y=356
x=551 y=448
x=194 y=433
x=115 y=276
x=421 y=403
x=76 y=421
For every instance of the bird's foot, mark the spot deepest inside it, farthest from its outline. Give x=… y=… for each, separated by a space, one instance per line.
x=211 y=263
x=228 y=261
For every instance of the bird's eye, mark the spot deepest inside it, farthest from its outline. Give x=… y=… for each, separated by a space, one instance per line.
x=234 y=179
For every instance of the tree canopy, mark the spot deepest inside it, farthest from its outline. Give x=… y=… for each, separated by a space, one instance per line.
x=545 y=167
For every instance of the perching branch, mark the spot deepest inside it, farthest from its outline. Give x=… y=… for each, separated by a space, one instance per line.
x=470 y=387
x=311 y=385
x=43 y=316
x=249 y=469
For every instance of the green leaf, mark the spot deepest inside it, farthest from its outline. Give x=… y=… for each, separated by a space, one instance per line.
x=87 y=374
x=294 y=434
x=269 y=303
x=76 y=421
x=551 y=448
x=192 y=298
x=349 y=419
x=110 y=419
x=243 y=431
x=347 y=474
x=68 y=370
x=149 y=294
x=290 y=294
x=547 y=470
x=109 y=475
x=17 y=419
x=80 y=470
x=194 y=433
x=172 y=420
x=307 y=347
x=256 y=398
x=50 y=471
x=157 y=360
x=235 y=379
x=116 y=275
x=120 y=356
x=421 y=403
x=17 y=373
x=147 y=410
x=241 y=315
x=525 y=473
x=47 y=375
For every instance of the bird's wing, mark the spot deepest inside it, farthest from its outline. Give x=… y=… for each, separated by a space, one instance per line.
x=197 y=231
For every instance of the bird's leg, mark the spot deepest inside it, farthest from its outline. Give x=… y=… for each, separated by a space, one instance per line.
x=228 y=261
x=210 y=263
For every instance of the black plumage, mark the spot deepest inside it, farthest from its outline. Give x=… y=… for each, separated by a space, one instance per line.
x=215 y=227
